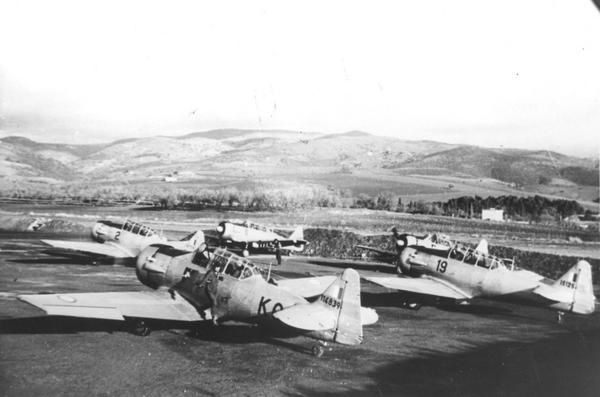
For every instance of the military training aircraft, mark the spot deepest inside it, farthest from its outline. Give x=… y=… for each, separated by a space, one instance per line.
x=460 y=273
x=433 y=242
x=121 y=242
x=222 y=286
x=247 y=236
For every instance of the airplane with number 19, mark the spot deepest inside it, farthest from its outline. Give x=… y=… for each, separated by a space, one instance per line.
x=460 y=273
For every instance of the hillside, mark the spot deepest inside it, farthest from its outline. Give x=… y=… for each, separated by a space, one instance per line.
x=356 y=161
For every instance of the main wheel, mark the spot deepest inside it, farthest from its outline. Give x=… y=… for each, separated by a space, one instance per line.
x=317 y=350
x=141 y=329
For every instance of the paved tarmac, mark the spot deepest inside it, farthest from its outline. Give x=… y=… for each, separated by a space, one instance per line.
x=487 y=348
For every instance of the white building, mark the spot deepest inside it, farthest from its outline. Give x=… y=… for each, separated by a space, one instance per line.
x=492 y=214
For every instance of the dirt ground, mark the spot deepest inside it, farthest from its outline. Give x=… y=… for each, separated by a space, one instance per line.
x=486 y=348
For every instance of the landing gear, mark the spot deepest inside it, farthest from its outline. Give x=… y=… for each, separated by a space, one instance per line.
x=412 y=305
x=559 y=317
x=140 y=328
x=399 y=267
x=245 y=253
x=319 y=348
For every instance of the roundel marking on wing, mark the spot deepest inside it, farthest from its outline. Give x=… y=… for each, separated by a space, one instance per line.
x=67 y=298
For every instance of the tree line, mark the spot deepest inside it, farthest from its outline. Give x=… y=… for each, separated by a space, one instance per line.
x=532 y=208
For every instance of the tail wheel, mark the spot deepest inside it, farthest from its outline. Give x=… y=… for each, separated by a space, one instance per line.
x=245 y=253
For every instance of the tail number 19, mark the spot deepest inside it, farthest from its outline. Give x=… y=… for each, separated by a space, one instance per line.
x=441 y=266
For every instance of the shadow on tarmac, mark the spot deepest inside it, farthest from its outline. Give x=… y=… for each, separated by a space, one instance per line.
x=399 y=300
x=566 y=364
x=206 y=331
x=71 y=325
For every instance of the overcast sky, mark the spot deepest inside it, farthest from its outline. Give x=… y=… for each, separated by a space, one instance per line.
x=494 y=73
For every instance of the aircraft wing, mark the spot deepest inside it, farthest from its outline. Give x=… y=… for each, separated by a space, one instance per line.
x=288 y=243
x=306 y=287
x=106 y=249
x=421 y=285
x=388 y=256
x=116 y=305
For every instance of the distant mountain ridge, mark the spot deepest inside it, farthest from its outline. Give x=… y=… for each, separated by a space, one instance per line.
x=238 y=156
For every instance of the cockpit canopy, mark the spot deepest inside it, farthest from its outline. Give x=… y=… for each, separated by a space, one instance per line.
x=252 y=225
x=225 y=262
x=138 y=228
x=470 y=256
x=440 y=239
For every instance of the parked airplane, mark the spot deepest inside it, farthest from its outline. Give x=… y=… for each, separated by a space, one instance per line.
x=461 y=273
x=433 y=242
x=121 y=241
x=222 y=286
x=248 y=236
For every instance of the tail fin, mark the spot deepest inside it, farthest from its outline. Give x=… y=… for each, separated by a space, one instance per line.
x=343 y=296
x=194 y=240
x=578 y=282
x=336 y=316
x=297 y=234
x=482 y=247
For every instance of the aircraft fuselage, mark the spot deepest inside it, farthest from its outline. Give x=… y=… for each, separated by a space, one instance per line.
x=477 y=277
x=135 y=237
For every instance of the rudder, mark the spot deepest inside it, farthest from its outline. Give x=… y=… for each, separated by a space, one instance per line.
x=578 y=279
x=297 y=234
x=194 y=240
x=344 y=295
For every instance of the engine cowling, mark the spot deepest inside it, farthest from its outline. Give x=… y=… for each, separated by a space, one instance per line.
x=403 y=262
x=151 y=268
x=163 y=266
x=100 y=232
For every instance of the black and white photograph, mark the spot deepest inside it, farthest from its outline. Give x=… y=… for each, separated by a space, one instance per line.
x=303 y=198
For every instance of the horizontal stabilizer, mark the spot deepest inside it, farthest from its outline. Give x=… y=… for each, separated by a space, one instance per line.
x=307 y=317
x=368 y=316
x=306 y=287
